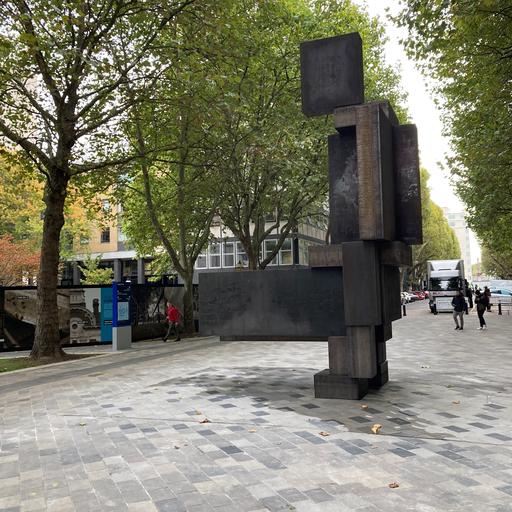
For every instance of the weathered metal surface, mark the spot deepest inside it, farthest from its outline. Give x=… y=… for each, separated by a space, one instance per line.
x=407 y=178
x=331 y=73
x=343 y=186
x=296 y=303
x=321 y=256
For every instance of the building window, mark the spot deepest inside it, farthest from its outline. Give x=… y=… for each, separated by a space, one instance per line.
x=105 y=236
x=84 y=240
x=228 y=253
x=303 y=252
x=121 y=237
x=105 y=205
x=215 y=255
x=269 y=246
x=286 y=253
x=241 y=255
x=202 y=260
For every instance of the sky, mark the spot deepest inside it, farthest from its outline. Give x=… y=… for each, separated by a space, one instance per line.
x=423 y=112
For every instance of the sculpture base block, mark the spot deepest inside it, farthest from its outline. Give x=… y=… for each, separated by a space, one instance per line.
x=332 y=385
x=382 y=376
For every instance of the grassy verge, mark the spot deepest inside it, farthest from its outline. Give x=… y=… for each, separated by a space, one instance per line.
x=17 y=363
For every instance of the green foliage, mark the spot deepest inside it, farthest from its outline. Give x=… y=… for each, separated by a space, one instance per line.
x=93 y=273
x=466 y=46
x=497 y=263
x=439 y=240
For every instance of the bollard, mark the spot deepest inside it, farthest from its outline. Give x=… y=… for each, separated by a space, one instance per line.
x=405 y=311
x=499 y=308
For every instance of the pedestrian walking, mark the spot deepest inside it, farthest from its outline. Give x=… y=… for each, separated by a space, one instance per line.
x=173 y=318
x=481 y=301
x=487 y=293
x=469 y=294
x=459 y=307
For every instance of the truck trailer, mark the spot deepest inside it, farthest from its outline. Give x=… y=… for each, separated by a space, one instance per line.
x=445 y=278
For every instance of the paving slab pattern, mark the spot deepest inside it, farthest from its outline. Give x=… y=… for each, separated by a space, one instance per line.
x=208 y=426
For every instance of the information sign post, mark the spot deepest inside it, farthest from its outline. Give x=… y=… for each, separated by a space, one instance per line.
x=121 y=318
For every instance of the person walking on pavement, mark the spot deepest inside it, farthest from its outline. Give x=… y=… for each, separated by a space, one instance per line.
x=173 y=318
x=487 y=293
x=481 y=301
x=459 y=307
x=469 y=294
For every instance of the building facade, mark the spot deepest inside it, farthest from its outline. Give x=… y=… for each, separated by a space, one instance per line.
x=457 y=221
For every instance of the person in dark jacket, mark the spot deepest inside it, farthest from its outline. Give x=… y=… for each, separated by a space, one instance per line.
x=481 y=301
x=459 y=307
x=469 y=295
x=487 y=293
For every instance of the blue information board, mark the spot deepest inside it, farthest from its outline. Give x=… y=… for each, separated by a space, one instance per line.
x=121 y=295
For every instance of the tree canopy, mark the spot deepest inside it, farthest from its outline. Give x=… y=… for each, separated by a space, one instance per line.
x=466 y=47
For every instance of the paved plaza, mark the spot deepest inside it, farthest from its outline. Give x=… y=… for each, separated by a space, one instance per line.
x=208 y=426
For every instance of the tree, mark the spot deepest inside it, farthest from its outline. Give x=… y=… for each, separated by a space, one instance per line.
x=19 y=262
x=94 y=274
x=275 y=158
x=497 y=264
x=466 y=47
x=62 y=68
x=439 y=240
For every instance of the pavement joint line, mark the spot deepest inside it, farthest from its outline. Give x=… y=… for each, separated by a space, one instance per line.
x=212 y=423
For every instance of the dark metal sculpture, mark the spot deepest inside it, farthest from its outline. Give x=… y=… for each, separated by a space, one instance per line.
x=375 y=215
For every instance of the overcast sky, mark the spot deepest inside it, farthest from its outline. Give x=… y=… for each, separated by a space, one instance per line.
x=422 y=110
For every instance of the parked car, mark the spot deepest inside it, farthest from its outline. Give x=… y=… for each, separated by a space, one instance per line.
x=419 y=294
x=501 y=292
x=412 y=297
x=405 y=298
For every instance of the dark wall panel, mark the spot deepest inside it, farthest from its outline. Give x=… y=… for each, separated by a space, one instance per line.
x=295 y=303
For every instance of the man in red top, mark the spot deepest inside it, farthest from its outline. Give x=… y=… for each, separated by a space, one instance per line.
x=173 y=317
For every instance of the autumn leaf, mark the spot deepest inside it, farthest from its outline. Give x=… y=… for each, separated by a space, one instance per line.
x=206 y=420
x=364 y=406
x=456 y=402
x=393 y=485
x=252 y=430
x=325 y=434
x=376 y=428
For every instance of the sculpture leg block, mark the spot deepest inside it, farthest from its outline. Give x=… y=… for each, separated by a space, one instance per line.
x=339 y=355
x=363 y=360
x=382 y=376
x=331 y=385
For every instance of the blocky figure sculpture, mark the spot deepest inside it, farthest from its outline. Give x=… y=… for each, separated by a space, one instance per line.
x=375 y=212
x=350 y=295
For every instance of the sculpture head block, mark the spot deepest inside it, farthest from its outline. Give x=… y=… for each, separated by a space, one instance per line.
x=332 y=73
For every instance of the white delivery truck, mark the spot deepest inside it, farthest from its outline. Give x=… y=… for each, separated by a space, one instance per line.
x=445 y=278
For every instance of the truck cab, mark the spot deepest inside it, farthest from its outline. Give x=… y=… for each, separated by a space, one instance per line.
x=445 y=278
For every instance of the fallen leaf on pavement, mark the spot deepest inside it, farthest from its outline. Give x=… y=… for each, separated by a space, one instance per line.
x=425 y=366
x=82 y=424
x=393 y=485
x=376 y=428
x=364 y=406
x=325 y=434
x=206 y=420
x=252 y=430
x=456 y=402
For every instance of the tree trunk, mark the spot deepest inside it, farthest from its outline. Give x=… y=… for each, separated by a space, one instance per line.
x=188 y=306
x=47 y=336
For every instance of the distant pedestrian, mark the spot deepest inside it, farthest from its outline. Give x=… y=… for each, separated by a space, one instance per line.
x=487 y=293
x=469 y=294
x=173 y=317
x=481 y=301
x=459 y=307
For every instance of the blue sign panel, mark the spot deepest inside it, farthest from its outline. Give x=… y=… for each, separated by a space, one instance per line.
x=121 y=295
x=106 y=315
